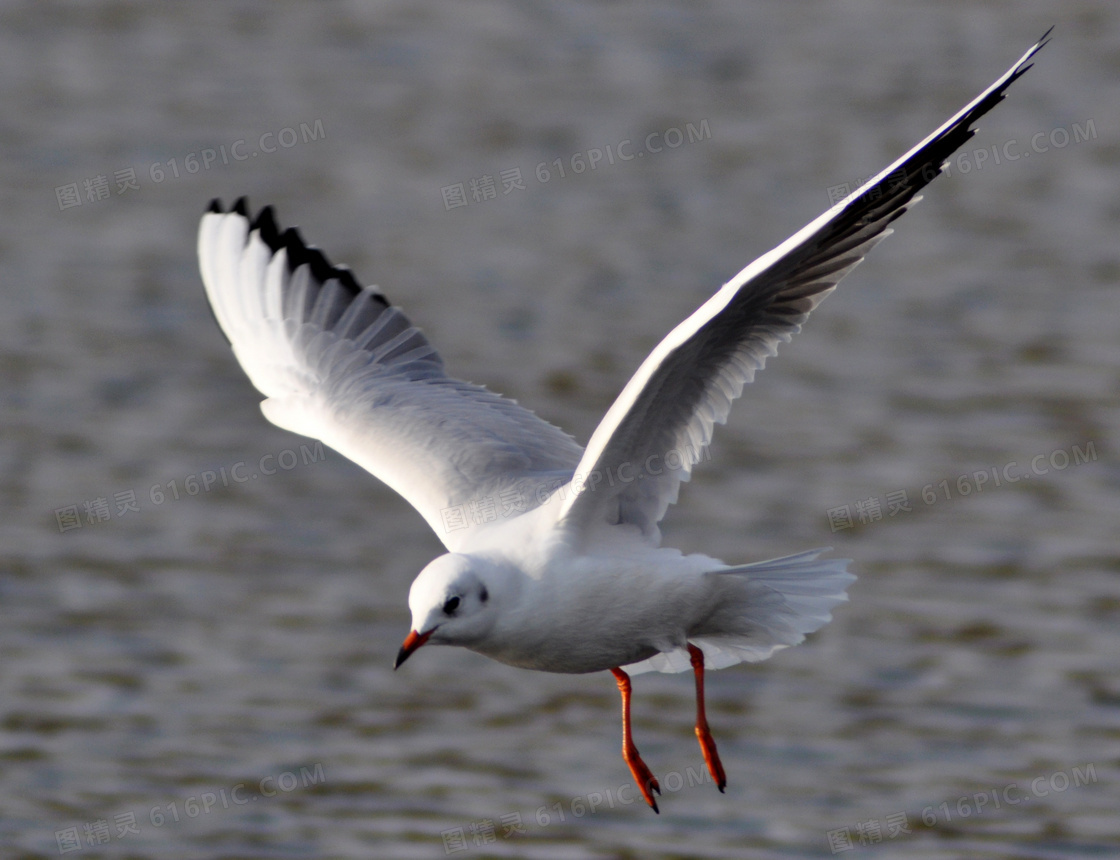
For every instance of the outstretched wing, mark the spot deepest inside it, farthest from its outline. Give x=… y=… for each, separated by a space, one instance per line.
x=338 y=363
x=660 y=424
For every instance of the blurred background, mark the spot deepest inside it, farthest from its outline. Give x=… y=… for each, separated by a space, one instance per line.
x=199 y=611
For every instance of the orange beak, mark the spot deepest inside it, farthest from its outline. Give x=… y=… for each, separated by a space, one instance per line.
x=411 y=642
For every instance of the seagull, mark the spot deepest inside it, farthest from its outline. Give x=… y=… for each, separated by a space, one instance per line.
x=553 y=559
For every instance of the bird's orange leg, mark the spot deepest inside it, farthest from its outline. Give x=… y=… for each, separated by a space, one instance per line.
x=647 y=782
x=707 y=743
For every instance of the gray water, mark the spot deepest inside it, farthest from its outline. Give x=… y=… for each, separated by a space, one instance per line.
x=209 y=675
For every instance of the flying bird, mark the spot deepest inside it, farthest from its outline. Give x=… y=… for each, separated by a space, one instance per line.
x=553 y=554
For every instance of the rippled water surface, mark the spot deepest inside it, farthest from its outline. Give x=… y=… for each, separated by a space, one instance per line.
x=199 y=611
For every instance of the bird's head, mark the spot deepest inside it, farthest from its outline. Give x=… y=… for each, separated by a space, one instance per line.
x=450 y=603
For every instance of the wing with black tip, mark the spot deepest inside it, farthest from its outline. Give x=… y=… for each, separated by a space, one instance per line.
x=658 y=427
x=337 y=362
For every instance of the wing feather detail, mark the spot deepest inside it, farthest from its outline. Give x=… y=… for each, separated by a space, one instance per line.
x=337 y=362
x=658 y=427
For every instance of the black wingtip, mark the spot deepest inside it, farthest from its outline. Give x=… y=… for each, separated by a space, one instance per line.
x=292 y=242
x=1022 y=69
x=1042 y=42
x=265 y=222
x=298 y=251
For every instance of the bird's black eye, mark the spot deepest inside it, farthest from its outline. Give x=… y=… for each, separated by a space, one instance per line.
x=484 y=595
x=451 y=605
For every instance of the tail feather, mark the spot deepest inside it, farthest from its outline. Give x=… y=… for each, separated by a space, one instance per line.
x=761 y=608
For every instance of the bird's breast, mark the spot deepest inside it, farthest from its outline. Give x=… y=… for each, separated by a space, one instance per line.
x=593 y=616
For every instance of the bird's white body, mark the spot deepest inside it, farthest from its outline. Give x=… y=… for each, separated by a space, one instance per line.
x=557 y=603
